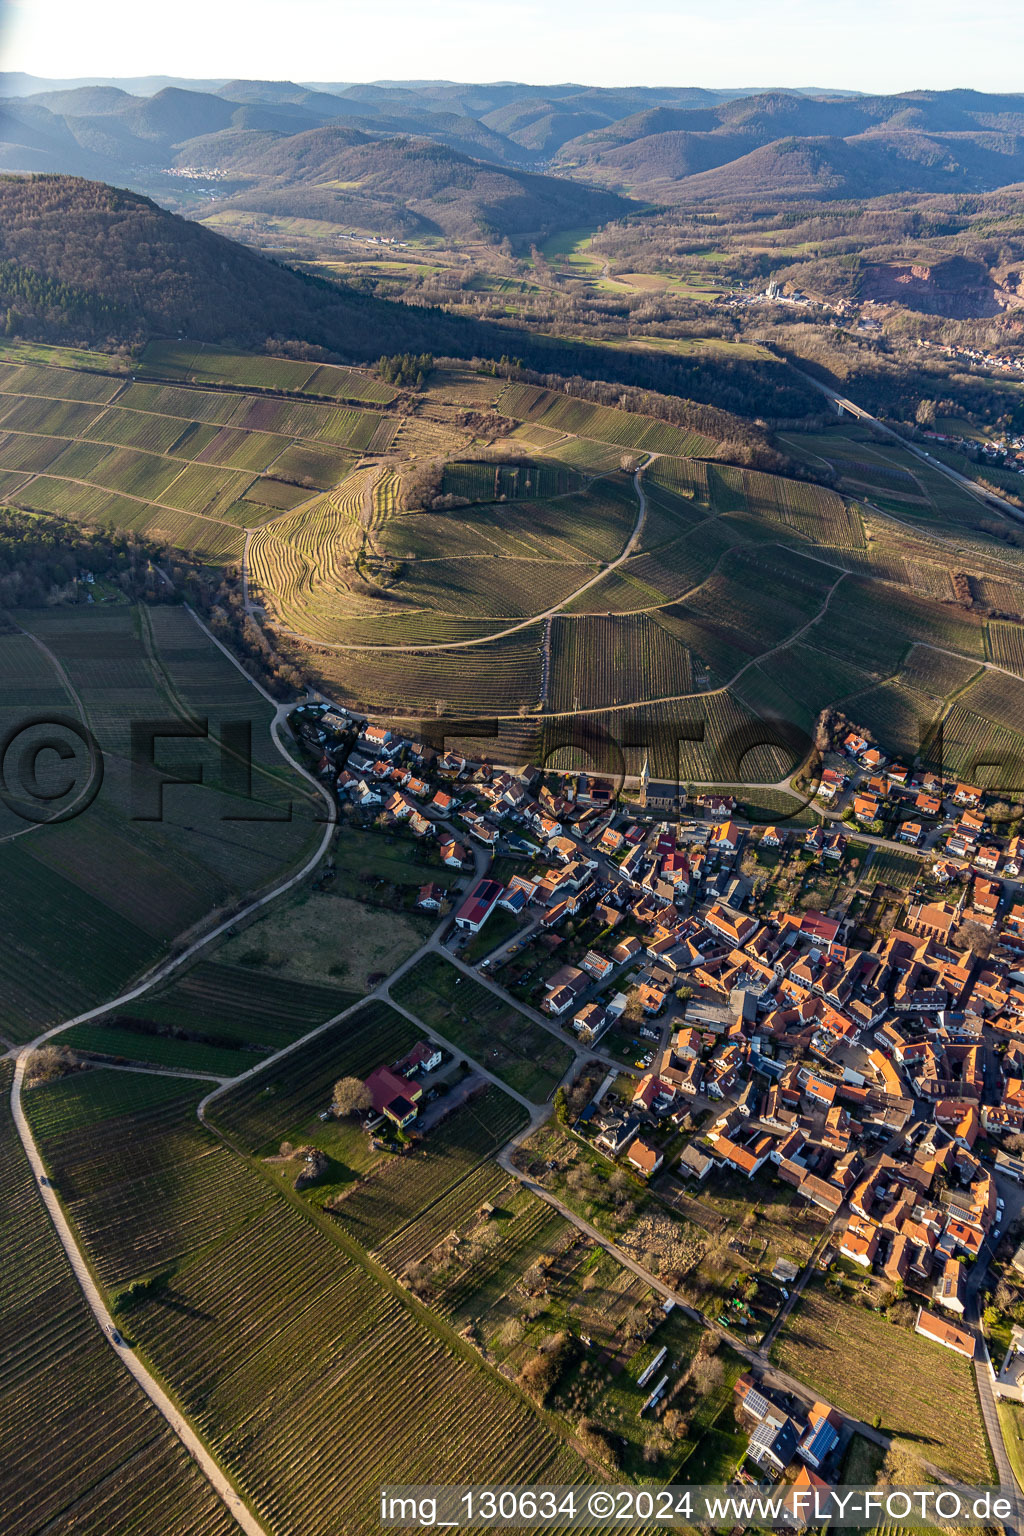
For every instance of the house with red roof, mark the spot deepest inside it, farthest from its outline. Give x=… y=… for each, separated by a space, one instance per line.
x=478 y=905
x=645 y=1158
x=393 y=1096
x=940 y=1332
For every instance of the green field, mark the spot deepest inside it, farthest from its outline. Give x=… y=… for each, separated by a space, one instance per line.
x=523 y=1054
x=89 y=903
x=150 y=456
x=308 y=1324
x=110 y=1460
x=642 y=434
x=206 y=364
x=215 y=1017
x=925 y=1393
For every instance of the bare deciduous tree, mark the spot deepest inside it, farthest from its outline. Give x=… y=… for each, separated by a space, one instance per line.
x=351 y=1096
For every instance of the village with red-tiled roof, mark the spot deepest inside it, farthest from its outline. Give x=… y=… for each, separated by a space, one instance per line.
x=827 y=1013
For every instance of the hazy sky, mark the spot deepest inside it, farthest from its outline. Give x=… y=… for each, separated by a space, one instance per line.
x=874 y=45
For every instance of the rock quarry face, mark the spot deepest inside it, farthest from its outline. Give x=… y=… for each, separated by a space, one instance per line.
x=960 y=288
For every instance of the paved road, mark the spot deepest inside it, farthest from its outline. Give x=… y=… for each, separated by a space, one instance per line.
x=767 y=1374
x=189 y=1439
x=771 y=1375
x=581 y=1052
x=537 y=1112
x=518 y=940
x=981 y=493
x=218 y=1479
x=983 y=1374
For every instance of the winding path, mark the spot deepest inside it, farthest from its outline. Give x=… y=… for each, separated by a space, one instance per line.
x=215 y=1474
x=511 y=629
x=219 y=1480
x=537 y=1112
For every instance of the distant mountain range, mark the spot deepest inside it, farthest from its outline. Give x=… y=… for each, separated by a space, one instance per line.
x=781 y=144
x=500 y=160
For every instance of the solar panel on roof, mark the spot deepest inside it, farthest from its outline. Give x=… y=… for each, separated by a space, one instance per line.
x=822 y=1441
x=757 y=1404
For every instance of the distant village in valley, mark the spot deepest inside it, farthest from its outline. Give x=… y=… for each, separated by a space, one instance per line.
x=837 y=1005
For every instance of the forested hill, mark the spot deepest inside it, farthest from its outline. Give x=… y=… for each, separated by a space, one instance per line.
x=401 y=186
x=88 y=264
x=91 y=265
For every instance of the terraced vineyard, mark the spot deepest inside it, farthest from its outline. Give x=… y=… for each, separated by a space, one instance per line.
x=897 y=715
x=206 y=364
x=304 y=561
x=597 y=662
x=500 y=677
x=784 y=592
x=111 y=1461
x=213 y=1016
x=983 y=733
x=508 y=482
x=973 y=747
x=1006 y=645
x=189 y=465
x=813 y=511
x=526 y=402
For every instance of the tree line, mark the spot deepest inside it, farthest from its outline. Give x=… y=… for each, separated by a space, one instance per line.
x=113 y=268
x=44 y=560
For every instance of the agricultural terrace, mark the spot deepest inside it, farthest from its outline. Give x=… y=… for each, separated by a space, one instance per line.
x=925 y=1393
x=744 y=596
x=89 y=903
x=185 y=463
x=202 y=363
x=750 y=595
x=522 y=1053
x=366 y=1364
x=110 y=1458
x=579 y=418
